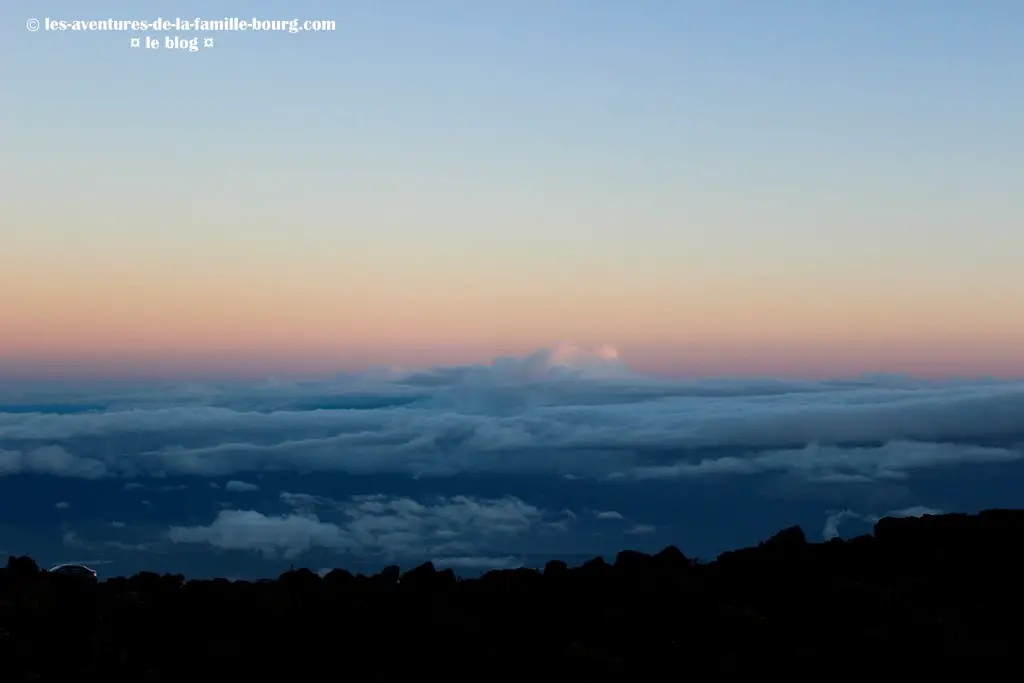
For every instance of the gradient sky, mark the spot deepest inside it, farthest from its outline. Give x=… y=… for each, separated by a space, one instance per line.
x=785 y=187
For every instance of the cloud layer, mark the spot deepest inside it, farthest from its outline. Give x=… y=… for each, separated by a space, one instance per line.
x=378 y=524
x=563 y=412
x=565 y=452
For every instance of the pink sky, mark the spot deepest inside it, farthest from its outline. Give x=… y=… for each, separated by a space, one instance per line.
x=91 y=320
x=793 y=359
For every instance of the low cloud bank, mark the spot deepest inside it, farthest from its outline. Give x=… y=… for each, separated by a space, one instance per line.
x=455 y=529
x=563 y=412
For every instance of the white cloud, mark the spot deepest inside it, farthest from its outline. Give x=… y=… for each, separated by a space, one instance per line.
x=369 y=524
x=240 y=486
x=116 y=525
x=893 y=460
x=641 y=529
x=834 y=519
x=250 y=530
x=609 y=514
x=62 y=505
x=565 y=412
x=50 y=460
x=913 y=511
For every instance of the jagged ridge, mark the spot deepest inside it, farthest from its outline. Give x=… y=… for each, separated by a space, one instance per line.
x=927 y=593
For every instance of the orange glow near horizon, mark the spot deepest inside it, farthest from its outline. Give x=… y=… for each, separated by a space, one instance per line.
x=237 y=325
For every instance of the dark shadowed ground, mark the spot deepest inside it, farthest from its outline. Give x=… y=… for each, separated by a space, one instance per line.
x=923 y=596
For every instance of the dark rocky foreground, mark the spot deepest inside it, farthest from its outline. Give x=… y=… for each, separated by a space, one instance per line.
x=935 y=595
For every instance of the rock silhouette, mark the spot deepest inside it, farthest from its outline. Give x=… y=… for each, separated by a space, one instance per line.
x=923 y=596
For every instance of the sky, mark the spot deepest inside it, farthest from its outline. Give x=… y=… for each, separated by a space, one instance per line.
x=787 y=188
x=490 y=283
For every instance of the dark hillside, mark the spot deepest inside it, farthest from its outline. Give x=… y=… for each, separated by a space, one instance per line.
x=928 y=595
